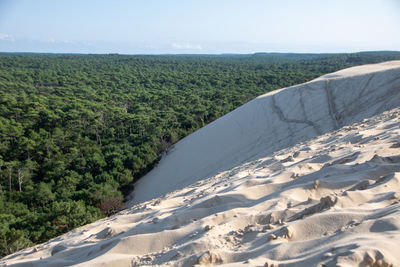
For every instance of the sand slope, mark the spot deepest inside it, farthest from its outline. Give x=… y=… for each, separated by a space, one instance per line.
x=333 y=200
x=274 y=121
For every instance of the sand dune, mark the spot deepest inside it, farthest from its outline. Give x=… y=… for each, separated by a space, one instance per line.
x=320 y=187
x=274 y=121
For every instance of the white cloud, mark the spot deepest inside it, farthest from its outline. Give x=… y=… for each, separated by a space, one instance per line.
x=6 y=37
x=187 y=46
x=55 y=41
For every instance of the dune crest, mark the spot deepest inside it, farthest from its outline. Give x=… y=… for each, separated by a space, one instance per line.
x=328 y=195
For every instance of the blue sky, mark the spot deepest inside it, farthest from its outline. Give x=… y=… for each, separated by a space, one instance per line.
x=198 y=26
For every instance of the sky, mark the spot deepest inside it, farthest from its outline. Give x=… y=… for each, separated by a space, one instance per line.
x=199 y=26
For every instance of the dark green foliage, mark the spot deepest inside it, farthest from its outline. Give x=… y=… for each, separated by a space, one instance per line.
x=76 y=130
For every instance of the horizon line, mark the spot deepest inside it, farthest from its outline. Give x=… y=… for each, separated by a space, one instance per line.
x=199 y=54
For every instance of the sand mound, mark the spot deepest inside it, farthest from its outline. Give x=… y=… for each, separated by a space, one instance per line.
x=332 y=200
x=275 y=121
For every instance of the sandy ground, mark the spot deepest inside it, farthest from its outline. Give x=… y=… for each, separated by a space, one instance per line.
x=331 y=200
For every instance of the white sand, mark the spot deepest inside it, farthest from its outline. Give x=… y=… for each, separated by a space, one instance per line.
x=333 y=200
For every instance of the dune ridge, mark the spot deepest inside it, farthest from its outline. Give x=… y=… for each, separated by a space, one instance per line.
x=330 y=199
x=275 y=121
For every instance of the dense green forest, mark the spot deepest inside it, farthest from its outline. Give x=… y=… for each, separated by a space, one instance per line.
x=77 y=130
